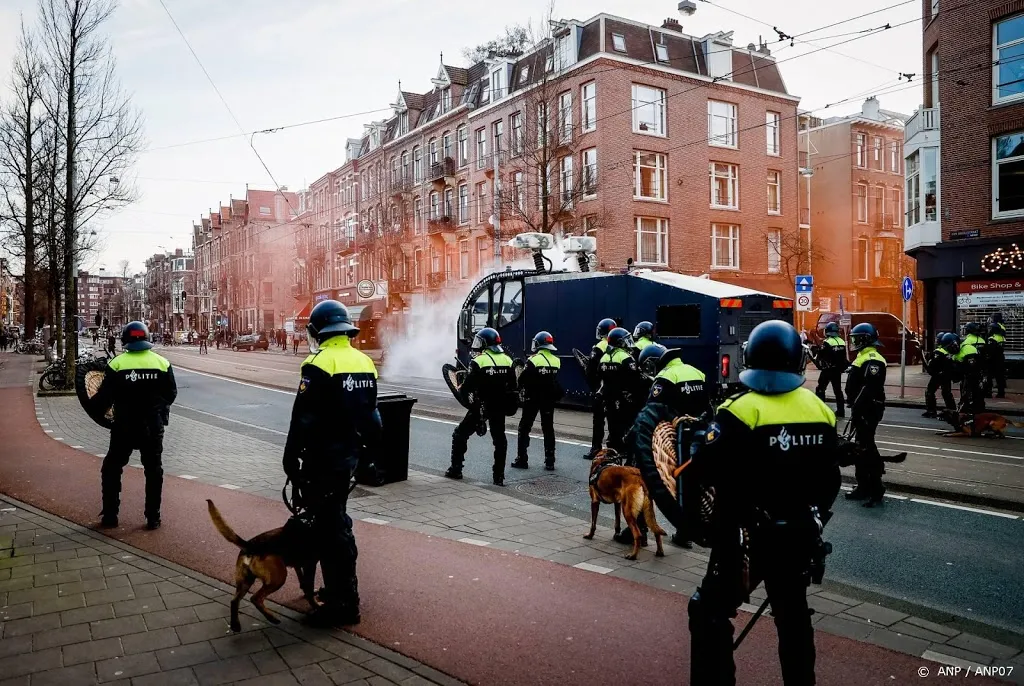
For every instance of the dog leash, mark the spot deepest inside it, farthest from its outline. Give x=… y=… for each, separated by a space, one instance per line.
x=296 y=510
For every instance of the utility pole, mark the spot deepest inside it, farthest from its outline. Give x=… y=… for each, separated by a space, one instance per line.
x=497 y=209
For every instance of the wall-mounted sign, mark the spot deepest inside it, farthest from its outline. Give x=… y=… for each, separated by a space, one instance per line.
x=1009 y=259
x=965 y=234
x=990 y=293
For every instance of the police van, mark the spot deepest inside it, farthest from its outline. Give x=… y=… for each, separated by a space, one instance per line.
x=709 y=320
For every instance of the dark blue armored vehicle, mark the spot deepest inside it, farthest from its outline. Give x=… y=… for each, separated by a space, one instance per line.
x=709 y=320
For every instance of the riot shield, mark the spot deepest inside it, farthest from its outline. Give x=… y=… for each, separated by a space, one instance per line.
x=88 y=378
x=455 y=377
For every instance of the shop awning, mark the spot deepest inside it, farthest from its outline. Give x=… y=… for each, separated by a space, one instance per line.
x=364 y=313
x=304 y=307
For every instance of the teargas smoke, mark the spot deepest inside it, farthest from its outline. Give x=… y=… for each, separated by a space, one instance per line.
x=428 y=339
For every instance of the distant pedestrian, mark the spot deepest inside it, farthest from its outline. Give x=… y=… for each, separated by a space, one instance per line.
x=3 y=341
x=202 y=344
x=140 y=387
x=295 y=344
x=111 y=341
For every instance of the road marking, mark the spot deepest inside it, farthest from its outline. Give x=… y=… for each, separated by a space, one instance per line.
x=136 y=466
x=895 y=497
x=964 y=508
x=586 y=566
x=374 y=520
x=230 y=487
x=57 y=438
x=944 y=427
x=49 y=431
x=948 y=660
x=241 y=383
x=41 y=424
x=100 y=455
x=510 y=433
x=78 y=447
x=187 y=476
x=950 y=450
x=474 y=541
x=236 y=421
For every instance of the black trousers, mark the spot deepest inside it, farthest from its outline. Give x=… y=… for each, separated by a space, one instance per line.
x=720 y=594
x=531 y=409
x=467 y=427
x=150 y=446
x=997 y=374
x=833 y=376
x=869 y=467
x=935 y=383
x=971 y=397
x=597 y=433
x=620 y=420
x=326 y=497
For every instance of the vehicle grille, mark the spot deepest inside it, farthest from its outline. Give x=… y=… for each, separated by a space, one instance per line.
x=748 y=320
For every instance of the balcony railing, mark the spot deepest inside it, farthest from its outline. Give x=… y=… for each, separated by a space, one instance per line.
x=925 y=119
x=403 y=285
x=438 y=279
x=805 y=216
x=440 y=224
x=439 y=171
x=345 y=244
x=402 y=185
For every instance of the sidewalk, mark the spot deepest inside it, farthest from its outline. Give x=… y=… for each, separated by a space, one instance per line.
x=488 y=587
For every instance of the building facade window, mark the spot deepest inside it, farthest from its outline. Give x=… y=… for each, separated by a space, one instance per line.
x=435 y=205
x=661 y=52
x=405 y=165
x=862 y=203
x=481 y=148
x=565 y=116
x=519 y=191
x=774 y=192
x=449 y=202
x=725 y=186
x=879 y=154
x=725 y=246
x=566 y=181
x=516 y=126
x=417 y=165
x=464 y=259
x=417 y=267
x=774 y=251
x=619 y=42
x=1008 y=51
x=863 y=257
x=1007 y=175
x=652 y=240
x=772 y=121
x=860 y=149
x=497 y=133
x=417 y=215
x=463 y=133
x=590 y=172
x=930 y=184
x=878 y=211
x=446 y=146
x=432 y=146
x=482 y=208
x=894 y=157
x=895 y=207
x=648 y=110
x=463 y=204
x=721 y=124
x=588 y=111
x=649 y=174
x=914 y=189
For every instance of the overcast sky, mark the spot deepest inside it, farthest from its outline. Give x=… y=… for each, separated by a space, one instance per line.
x=280 y=62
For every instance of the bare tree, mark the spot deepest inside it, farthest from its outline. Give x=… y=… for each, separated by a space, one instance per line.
x=100 y=131
x=20 y=124
x=383 y=239
x=795 y=256
x=124 y=270
x=516 y=39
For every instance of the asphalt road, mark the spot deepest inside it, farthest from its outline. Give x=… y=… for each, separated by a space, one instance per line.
x=952 y=560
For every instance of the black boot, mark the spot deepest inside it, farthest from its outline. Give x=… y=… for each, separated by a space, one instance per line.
x=454 y=472
x=680 y=540
x=520 y=462
x=592 y=454
x=549 y=463
x=856 y=494
x=108 y=522
x=930 y=414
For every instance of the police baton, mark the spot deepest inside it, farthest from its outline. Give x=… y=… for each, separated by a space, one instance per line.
x=750 y=624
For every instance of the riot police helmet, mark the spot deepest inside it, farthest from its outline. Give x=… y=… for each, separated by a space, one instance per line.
x=135 y=337
x=650 y=358
x=832 y=329
x=486 y=339
x=604 y=327
x=972 y=328
x=996 y=318
x=543 y=341
x=939 y=336
x=643 y=330
x=951 y=342
x=329 y=318
x=773 y=358
x=619 y=338
x=864 y=335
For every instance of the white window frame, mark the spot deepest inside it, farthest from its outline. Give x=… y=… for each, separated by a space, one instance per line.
x=660 y=176
x=481 y=203
x=432 y=147
x=618 y=42
x=732 y=177
x=913 y=190
x=895 y=159
x=588 y=106
x=524 y=74
x=867 y=259
x=731 y=235
x=719 y=111
x=518 y=141
x=464 y=259
x=463 y=203
x=589 y=170
x=775 y=180
x=772 y=122
x=519 y=190
x=661 y=125
x=862 y=150
x=481 y=147
x=462 y=135
x=660 y=231
x=417 y=166
x=497 y=133
x=862 y=203
x=996 y=163
x=417 y=215
x=774 y=251
x=497 y=84
x=896 y=206
x=565 y=116
x=996 y=47
x=566 y=185
x=879 y=153
x=661 y=52
x=435 y=206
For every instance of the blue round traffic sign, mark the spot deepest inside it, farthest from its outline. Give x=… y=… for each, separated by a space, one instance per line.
x=907 y=288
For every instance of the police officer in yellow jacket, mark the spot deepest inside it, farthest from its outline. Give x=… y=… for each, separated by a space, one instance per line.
x=865 y=389
x=974 y=337
x=140 y=387
x=604 y=327
x=492 y=382
x=939 y=365
x=996 y=356
x=643 y=336
x=967 y=368
x=334 y=417
x=775 y=477
x=540 y=390
x=833 y=362
x=623 y=387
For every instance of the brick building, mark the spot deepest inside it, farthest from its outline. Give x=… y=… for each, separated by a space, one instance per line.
x=244 y=256
x=169 y=282
x=675 y=151
x=857 y=200
x=965 y=168
x=100 y=294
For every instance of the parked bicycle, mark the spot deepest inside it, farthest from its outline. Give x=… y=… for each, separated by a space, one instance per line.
x=54 y=377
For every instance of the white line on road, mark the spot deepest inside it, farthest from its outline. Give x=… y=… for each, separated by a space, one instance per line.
x=586 y=566
x=948 y=660
x=951 y=506
x=49 y=431
x=473 y=541
x=950 y=450
x=510 y=433
x=187 y=476
x=895 y=497
x=235 y=421
x=230 y=487
x=374 y=520
x=242 y=383
x=78 y=447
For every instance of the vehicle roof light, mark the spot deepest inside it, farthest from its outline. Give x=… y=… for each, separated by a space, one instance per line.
x=532 y=241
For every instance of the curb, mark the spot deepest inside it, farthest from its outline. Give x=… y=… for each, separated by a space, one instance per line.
x=919 y=405
x=938 y=494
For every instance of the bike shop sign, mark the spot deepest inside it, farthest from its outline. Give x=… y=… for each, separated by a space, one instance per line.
x=990 y=293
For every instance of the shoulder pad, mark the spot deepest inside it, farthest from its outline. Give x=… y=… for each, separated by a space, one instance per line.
x=733 y=398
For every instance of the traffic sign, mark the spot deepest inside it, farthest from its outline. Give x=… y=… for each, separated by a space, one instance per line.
x=907 y=288
x=804 y=283
x=803 y=302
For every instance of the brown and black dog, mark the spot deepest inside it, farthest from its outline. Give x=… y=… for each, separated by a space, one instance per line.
x=267 y=557
x=624 y=487
x=994 y=424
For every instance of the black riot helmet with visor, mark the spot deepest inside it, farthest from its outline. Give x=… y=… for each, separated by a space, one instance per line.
x=328 y=319
x=485 y=339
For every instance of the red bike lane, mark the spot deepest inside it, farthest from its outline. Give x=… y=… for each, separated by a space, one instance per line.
x=483 y=616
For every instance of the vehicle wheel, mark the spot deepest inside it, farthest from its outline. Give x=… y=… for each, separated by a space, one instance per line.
x=52 y=380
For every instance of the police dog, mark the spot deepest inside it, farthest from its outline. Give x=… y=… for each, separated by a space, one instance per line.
x=267 y=557
x=963 y=426
x=610 y=482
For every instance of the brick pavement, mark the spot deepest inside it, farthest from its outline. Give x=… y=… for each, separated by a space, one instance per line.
x=482 y=516
x=77 y=607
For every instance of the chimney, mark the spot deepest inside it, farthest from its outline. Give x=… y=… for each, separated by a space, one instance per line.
x=763 y=49
x=870 y=109
x=671 y=24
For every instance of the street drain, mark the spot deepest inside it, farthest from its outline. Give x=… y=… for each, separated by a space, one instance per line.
x=547 y=487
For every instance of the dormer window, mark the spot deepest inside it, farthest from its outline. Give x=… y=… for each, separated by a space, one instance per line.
x=619 y=42
x=446 y=99
x=524 y=74
x=549 y=63
x=403 y=123
x=662 y=51
x=485 y=90
x=497 y=84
